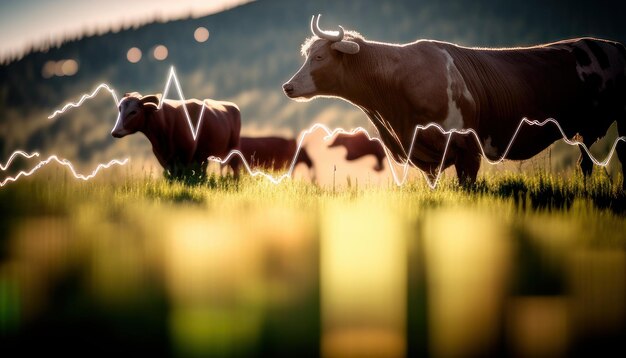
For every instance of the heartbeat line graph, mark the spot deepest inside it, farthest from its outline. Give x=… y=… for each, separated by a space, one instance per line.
x=398 y=177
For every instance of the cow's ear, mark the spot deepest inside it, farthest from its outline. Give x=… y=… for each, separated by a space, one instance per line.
x=149 y=106
x=150 y=102
x=345 y=46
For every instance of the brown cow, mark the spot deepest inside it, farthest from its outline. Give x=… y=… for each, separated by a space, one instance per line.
x=273 y=153
x=359 y=145
x=170 y=133
x=581 y=83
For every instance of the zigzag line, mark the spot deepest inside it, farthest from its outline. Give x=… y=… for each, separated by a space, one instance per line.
x=64 y=162
x=84 y=98
x=400 y=178
x=171 y=78
x=14 y=155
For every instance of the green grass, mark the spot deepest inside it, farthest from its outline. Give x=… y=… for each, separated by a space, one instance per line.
x=247 y=267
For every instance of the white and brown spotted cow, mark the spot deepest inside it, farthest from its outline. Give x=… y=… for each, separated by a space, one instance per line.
x=581 y=83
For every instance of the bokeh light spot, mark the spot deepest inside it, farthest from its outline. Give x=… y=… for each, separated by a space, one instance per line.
x=201 y=34
x=160 y=53
x=69 y=67
x=58 y=68
x=133 y=55
x=48 y=69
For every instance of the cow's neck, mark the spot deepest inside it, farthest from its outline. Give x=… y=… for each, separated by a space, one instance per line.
x=155 y=129
x=376 y=93
x=369 y=76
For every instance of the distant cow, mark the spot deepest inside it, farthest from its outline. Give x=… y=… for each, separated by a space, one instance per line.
x=359 y=145
x=170 y=133
x=581 y=83
x=273 y=153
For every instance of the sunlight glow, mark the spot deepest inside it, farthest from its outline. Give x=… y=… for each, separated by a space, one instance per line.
x=26 y=24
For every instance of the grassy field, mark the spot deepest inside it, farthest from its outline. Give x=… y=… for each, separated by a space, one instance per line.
x=520 y=265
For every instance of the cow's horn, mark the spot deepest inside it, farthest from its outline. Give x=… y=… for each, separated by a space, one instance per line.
x=315 y=28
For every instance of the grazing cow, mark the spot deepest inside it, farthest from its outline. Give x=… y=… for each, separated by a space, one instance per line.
x=581 y=83
x=273 y=153
x=170 y=133
x=359 y=145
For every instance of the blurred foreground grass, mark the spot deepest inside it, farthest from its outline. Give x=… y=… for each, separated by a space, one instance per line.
x=522 y=265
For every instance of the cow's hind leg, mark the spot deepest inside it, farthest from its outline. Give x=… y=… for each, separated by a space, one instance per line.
x=203 y=170
x=621 y=149
x=585 y=162
x=235 y=163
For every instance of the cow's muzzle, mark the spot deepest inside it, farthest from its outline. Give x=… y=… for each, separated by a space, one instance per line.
x=288 y=88
x=117 y=133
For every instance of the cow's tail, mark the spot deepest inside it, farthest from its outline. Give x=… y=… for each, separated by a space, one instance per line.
x=236 y=131
x=235 y=140
x=621 y=124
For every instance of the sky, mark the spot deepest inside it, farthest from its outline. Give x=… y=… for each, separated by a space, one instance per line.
x=27 y=22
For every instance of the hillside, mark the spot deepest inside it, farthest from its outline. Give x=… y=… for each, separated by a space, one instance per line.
x=251 y=51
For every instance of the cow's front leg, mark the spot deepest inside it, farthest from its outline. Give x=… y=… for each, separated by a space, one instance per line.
x=236 y=164
x=467 y=163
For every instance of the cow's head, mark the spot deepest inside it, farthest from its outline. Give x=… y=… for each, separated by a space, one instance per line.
x=132 y=113
x=322 y=70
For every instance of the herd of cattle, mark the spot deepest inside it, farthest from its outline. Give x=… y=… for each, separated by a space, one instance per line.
x=581 y=83
x=218 y=133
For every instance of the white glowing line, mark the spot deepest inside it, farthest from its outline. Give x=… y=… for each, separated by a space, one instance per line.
x=398 y=179
x=63 y=162
x=54 y=158
x=401 y=179
x=433 y=184
x=329 y=135
x=171 y=78
x=84 y=98
x=14 y=155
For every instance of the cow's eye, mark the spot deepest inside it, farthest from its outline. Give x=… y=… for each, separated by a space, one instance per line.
x=133 y=112
x=319 y=57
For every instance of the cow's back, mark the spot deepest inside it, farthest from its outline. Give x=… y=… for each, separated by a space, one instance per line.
x=358 y=145
x=219 y=130
x=268 y=152
x=581 y=83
